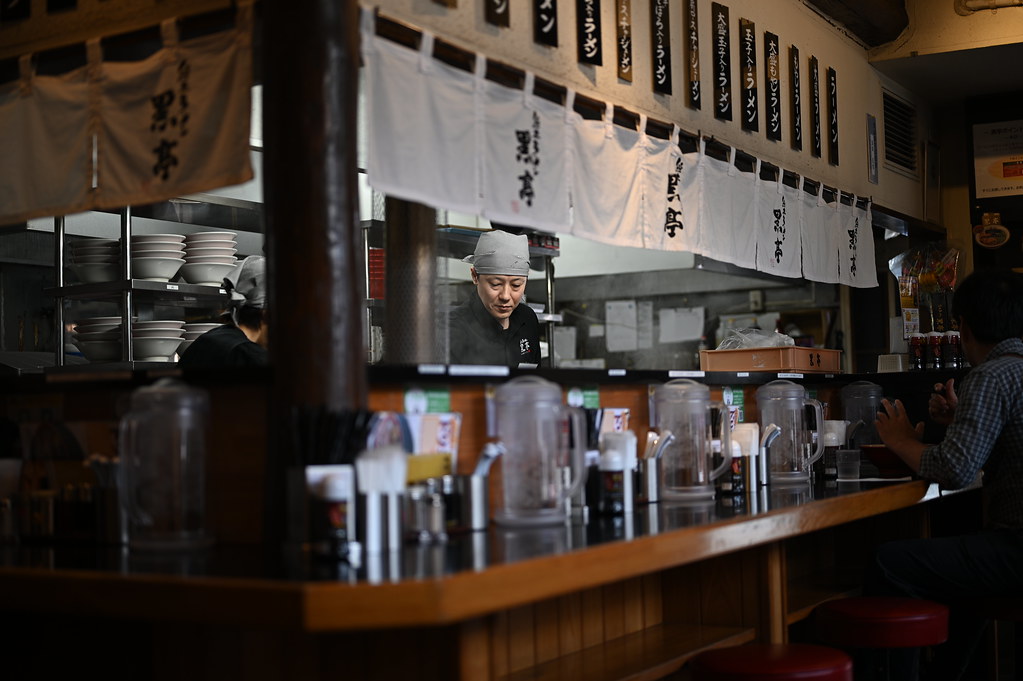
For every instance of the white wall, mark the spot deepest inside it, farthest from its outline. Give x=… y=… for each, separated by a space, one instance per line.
x=858 y=83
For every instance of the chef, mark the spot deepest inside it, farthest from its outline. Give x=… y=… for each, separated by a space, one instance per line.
x=492 y=327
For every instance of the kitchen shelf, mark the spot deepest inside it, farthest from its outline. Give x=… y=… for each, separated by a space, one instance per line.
x=168 y=292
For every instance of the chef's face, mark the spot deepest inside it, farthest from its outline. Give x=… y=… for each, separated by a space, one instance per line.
x=500 y=293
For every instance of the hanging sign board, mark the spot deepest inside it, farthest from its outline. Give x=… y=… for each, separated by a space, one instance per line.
x=797 y=98
x=692 y=36
x=588 y=32
x=660 y=41
x=815 y=109
x=772 y=89
x=497 y=12
x=832 y=116
x=748 y=62
x=545 y=22
x=623 y=24
x=722 y=62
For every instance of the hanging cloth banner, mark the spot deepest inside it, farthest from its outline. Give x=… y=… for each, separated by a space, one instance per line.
x=677 y=228
x=178 y=122
x=45 y=144
x=525 y=158
x=748 y=71
x=623 y=35
x=772 y=88
x=657 y=167
x=722 y=62
x=588 y=35
x=819 y=237
x=692 y=36
x=727 y=231
x=606 y=194
x=660 y=42
x=778 y=247
x=856 y=247
x=421 y=123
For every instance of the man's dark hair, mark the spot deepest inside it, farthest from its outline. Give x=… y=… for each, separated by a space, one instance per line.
x=991 y=304
x=249 y=316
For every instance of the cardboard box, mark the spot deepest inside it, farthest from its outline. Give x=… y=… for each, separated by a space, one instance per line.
x=788 y=358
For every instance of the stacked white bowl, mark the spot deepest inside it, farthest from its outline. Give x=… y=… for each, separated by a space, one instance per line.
x=156 y=257
x=209 y=256
x=156 y=340
x=95 y=260
x=99 y=338
x=193 y=330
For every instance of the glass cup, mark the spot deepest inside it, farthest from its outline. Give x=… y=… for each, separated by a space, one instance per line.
x=848 y=463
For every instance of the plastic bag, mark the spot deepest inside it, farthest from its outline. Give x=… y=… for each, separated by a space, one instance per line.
x=738 y=339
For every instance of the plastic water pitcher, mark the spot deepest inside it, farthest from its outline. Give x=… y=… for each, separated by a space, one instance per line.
x=683 y=407
x=794 y=447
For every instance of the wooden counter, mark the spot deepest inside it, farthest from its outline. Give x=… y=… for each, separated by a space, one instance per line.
x=634 y=608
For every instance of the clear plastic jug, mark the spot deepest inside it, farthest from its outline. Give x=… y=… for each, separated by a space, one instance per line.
x=162 y=443
x=683 y=407
x=541 y=438
x=861 y=400
x=794 y=447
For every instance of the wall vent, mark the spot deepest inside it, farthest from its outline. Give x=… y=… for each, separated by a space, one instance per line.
x=900 y=135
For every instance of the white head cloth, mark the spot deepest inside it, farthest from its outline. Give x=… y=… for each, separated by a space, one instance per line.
x=499 y=252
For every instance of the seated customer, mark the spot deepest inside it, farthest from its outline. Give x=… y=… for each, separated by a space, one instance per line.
x=242 y=342
x=492 y=327
x=985 y=431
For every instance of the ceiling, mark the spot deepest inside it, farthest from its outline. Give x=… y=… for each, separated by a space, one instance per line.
x=938 y=78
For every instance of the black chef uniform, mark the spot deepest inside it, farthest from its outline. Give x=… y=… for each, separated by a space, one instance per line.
x=477 y=338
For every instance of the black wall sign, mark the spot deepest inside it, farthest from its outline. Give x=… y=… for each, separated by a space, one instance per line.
x=545 y=22
x=748 y=69
x=772 y=88
x=588 y=32
x=832 y=117
x=722 y=62
x=497 y=12
x=14 y=10
x=692 y=35
x=815 y=109
x=623 y=35
x=797 y=98
x=660 y=42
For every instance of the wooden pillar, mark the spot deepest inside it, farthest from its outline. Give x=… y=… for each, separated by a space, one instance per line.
x=411 y=333
x=310 y=89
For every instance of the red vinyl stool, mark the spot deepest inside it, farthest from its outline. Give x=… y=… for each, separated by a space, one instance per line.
x=773 y=662
x=881 y=622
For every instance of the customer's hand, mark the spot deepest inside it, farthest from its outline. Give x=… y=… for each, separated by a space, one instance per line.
x=894 y=426
x=942 y=404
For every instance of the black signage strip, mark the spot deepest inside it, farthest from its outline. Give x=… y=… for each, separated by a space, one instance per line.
x=748 y=69
x=498 y=12
x=722 y=62
x=797 y=98
x=772 y=88
x=545 y=22
x=588 y=32
x=692 y=36
x=815 y=109
x=832 y=86
x=623 y=38
x=660 y=43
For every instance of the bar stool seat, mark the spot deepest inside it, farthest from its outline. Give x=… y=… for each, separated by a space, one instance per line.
x=773 y=662
x=881 y=622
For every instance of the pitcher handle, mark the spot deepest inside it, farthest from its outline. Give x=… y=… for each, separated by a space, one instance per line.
x=726 y=440
x=578 y=417
x=819 y=415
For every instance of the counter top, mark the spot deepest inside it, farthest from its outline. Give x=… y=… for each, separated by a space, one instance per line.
x=469 y=576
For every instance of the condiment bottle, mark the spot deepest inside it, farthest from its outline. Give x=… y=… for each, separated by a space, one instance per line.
x=733 y=482
x=953 y=350
x=917 y=343
x=934 y=359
